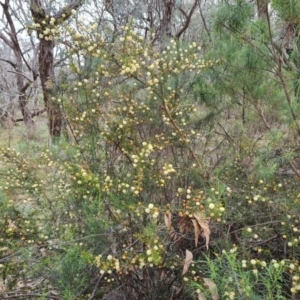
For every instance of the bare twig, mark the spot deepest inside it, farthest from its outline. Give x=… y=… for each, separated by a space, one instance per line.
x=265 y=241
x=203 y=21
x=19 y=73
x=9 y=62
x=280 y=74
x=34 y=114
x=112 y=292
x=96 y=287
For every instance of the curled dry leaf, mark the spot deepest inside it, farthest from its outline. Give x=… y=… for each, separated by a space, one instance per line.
x=201 y=296
x=184 y=224
x=173 y=235
x=187 y=262
x=168 y=223
x=54 y=293
x=179 y=291
x=197 y=230
x=204 y=225
x=168 y=220
x=212 y=288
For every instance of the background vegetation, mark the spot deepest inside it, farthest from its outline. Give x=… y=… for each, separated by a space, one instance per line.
x=149 y=151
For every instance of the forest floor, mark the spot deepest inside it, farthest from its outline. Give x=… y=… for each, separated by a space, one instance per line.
x=16 y=136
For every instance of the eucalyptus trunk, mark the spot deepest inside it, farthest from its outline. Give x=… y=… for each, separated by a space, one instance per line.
x=47 y=77
x=46 y=58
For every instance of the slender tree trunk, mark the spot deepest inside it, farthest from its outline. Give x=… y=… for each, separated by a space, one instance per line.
x=22 y=97
x=12 y=41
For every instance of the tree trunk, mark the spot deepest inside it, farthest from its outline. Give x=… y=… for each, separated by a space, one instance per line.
x=22 y=97
x=46 y=69
x=166 y=22
x=46 y=59
x=11 y=40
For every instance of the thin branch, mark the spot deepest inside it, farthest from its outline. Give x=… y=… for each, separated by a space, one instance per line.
x=255 y=225
x=19 y=73
x=34 y=114
x=60 y=16
x=96 y=287
x=166 y=109
x=9 y=62
x=188 y=19
x=281 y=76
x=203 y=21
x=265 y=241
x=6 y=40
x=11 y=24
x=61 y=60
x=13 y=43
x=105 y=297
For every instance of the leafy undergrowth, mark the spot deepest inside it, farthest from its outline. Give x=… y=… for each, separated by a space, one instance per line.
x=70 y=234
x=144 y=200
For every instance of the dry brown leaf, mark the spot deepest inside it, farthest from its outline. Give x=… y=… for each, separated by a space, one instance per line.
x=179 y=291
x=173 y=234
x=201 y=296
x=163 y=276
x=54 y=293
x=168 y=220
x=184 y=224
x=181 y=224
x=187 y=262
x=204 y=225
x=43 y=251
x=197 y=230
x=212 y=288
